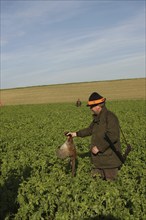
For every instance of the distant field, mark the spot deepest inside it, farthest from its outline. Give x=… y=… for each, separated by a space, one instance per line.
x=130 y=89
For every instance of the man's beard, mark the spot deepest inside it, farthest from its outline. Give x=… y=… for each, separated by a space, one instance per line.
x=95 y=113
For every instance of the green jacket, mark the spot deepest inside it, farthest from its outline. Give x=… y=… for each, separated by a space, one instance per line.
x=106 y=123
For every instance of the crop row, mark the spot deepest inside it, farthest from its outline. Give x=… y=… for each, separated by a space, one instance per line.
x=35 y=184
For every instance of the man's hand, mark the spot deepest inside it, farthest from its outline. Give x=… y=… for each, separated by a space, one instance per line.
x=94 y=150
x=73 y=134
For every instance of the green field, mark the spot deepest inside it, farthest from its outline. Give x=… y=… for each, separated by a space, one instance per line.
x=36 y=185
x=61 y=93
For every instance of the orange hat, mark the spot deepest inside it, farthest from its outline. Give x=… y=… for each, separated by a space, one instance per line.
x=95 y=99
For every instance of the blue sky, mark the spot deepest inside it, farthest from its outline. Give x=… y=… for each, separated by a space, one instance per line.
x=54 y=42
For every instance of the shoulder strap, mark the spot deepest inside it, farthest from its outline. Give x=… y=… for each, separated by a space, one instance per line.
x=119 y=155
x=127 y=150
x=123 y=136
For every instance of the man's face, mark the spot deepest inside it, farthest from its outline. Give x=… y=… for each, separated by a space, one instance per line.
x=96 y=109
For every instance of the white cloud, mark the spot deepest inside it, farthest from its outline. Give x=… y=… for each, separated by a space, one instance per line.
x=63 y=54
x=130 y=67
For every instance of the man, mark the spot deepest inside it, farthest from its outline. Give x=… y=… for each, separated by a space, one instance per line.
x=78 y=103
x=105 y=138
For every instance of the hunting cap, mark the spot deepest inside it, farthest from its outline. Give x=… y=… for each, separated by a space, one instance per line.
x=95 y=99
